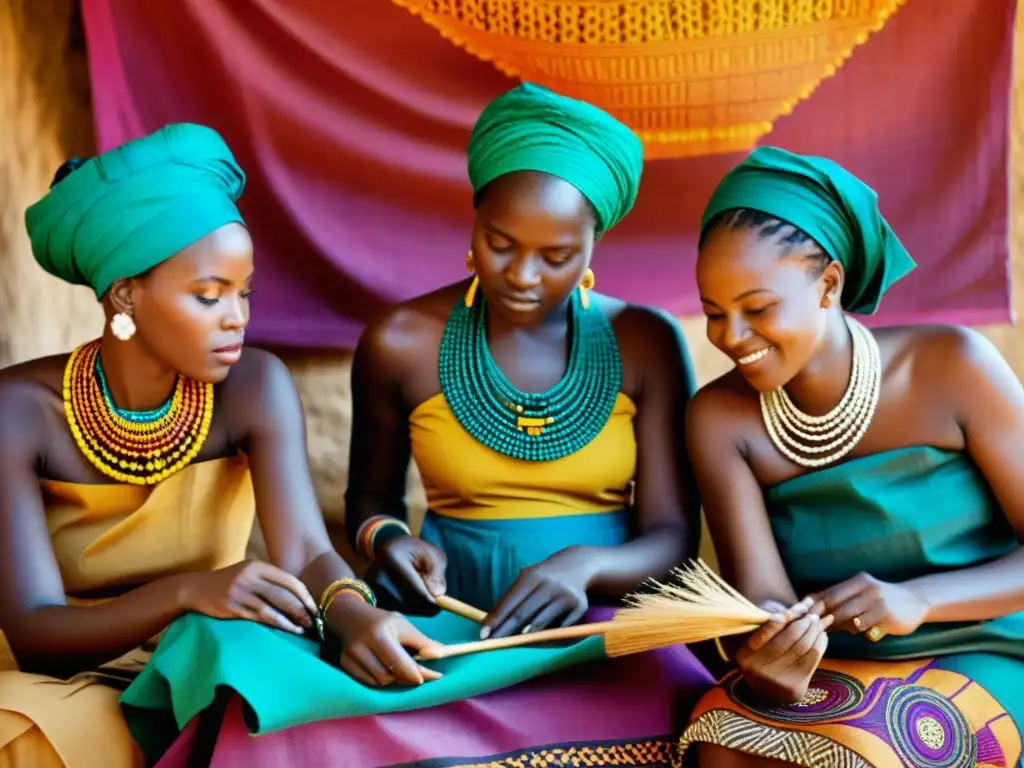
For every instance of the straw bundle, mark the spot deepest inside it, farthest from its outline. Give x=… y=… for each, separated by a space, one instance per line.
x=697 y=605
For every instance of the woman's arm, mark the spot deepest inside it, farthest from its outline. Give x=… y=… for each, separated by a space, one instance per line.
x=390 y=352
x=380 y=450
x=264 y=412
x=777 y=661
x=989 y=403
x=748 y=557
x=666 y=503
x=733 y=501
x=294 y=528
x=47 y=635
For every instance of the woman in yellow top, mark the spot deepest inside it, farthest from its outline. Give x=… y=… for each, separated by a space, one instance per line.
x=547 y=423
x=131 y=469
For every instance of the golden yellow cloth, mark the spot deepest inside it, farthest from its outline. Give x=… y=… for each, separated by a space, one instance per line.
x=691 y=77
x=105 y=537
x=465 y=479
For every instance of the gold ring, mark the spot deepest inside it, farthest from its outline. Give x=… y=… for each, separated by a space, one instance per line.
x=874 y=634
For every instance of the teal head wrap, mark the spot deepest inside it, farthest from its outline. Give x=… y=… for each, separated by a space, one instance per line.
x=124 y=212
x=834 y=207
x=533 y=129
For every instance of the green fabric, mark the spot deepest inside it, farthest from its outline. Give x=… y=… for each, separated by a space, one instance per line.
x=896 y=515
x=533 y=129
x=284 y=683
x=579 y=404
x=129 y=209
x=834 y=207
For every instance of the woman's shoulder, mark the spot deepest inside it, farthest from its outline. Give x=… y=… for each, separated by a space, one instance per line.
x=254 y=369
x=644 y=329
x=410 y=332
x=655 y=356
x=260 y=382
x=923 y=339
x=38 y=380
x=727 y=399
x=30 y=396
x=931 y=356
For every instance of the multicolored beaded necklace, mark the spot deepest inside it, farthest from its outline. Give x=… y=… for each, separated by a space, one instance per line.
x=137 y=447
x=541 y=426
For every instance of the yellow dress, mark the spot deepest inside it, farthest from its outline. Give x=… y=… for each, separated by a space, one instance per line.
x=465 y=479
x=106 y=536
x=494 y=515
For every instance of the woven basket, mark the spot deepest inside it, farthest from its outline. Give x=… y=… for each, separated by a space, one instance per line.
x=691 y=77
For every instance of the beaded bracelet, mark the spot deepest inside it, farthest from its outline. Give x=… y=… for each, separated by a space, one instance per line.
x=335 y=588
x=368 y=533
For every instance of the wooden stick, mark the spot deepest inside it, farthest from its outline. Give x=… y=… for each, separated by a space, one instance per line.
x=515 y=641
x=460 y=608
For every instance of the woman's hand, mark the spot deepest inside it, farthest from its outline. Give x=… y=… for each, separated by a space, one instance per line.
x=876 y=608
x=552 y=592
x=417 y=569
x=251 y=590
x=374 y=644
x=779 y=659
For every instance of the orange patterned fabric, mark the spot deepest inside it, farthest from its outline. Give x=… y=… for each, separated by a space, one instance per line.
x=864 y=714
x=691 y=77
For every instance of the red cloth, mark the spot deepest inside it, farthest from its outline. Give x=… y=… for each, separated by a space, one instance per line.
x=352 y=120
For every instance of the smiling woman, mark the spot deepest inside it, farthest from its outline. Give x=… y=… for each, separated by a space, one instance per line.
x=861 y=482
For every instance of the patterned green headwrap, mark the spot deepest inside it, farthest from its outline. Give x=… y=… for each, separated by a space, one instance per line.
x=834 y=207
x=124 y=212
x=533 y=129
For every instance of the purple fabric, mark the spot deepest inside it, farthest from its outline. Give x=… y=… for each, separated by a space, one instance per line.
x=352 y=126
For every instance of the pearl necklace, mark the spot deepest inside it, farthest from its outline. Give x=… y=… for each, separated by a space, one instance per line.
x=803 y=439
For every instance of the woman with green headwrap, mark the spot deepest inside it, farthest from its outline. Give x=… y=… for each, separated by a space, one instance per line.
x=546 y=422
x=862 y=486
x=131 y=469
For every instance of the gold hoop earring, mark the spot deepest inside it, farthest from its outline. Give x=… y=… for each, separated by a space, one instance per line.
x=122 y=326
x=586 y=284
x=471 y=293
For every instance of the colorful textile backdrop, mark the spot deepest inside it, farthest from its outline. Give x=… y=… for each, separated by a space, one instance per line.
x=352 y=127
x=691 y=77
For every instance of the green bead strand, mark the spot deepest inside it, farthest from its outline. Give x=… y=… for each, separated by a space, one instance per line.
x=136 y=417
x=488 y=407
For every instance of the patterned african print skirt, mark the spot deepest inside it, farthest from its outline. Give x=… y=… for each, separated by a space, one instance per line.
x=876 y=714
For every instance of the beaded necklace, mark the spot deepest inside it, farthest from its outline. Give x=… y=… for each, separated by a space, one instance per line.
x=136 y=417
x=137 y=447
x=815 y=441
x=541 y=426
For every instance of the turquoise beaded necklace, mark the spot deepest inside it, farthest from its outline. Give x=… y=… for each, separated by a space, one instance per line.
x=541 y=426
x=136 y=417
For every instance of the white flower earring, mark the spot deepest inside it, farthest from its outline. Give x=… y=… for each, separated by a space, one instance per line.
x=122 y=326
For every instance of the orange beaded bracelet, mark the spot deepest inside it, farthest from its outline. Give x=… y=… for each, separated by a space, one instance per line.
x=368 y=531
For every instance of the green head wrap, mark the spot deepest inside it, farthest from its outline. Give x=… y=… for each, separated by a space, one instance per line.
x=124 y=212
x=834 y=207
x=533 y=129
